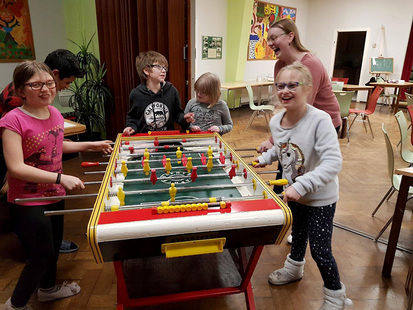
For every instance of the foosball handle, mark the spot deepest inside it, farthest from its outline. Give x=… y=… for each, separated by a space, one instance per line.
x=86 y=164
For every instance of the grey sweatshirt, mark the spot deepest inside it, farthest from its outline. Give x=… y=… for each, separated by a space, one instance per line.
x=217 y=115
x=310 y=155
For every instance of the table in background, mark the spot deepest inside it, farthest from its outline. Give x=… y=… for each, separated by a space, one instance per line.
x=233 y=96
x=397 y=88
x=73 y=128
x=407 y=181
x=350 y=87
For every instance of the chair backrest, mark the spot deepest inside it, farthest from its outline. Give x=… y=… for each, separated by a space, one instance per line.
x=268 y=107
x=390 y=154
x=409 y=99
x=344 y=99
x=404 y=138
x=340 y=79
x=337 y=85
x=410 y=111
x=371 y=105
x=251 y=97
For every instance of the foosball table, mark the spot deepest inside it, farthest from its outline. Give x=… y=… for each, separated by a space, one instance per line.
x=182 y=216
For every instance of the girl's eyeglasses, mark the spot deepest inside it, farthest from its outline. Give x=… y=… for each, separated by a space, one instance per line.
x=159 y=67
x=290 y=86
x=39 y=85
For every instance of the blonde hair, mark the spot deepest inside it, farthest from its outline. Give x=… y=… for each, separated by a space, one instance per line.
x=303 y=71
x=288 y=26
x=209 y=84
x=145 y=60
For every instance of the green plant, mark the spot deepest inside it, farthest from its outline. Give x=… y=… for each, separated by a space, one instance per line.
x=90 y=95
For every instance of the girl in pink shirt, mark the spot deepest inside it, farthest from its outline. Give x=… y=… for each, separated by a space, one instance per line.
x=33 y=145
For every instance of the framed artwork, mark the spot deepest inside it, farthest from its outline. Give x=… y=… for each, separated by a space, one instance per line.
x=263 y=15
x=211 y=47
x=16 y=38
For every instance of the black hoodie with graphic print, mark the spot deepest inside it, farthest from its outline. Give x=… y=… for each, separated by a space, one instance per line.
x=155 y=112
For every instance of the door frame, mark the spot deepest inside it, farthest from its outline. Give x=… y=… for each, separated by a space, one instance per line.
x=364 y=64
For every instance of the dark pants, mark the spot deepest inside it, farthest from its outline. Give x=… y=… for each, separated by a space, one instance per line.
x=40 y=237
x=315 y=224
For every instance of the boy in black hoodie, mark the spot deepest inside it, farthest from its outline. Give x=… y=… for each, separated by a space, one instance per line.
x=155 y=104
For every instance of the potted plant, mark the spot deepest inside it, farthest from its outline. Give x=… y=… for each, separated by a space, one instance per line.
x=90 y=95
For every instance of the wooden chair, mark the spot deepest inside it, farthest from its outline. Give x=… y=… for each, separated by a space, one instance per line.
x=344 y=99
x=405 y=143
x=371 y=107
x=394 y=178
x=267 y=108
x=340 y=79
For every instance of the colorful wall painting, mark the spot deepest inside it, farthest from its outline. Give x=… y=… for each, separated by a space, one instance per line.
x=262 y=16
x=16 y=38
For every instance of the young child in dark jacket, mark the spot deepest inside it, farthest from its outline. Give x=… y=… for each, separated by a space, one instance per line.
x=155 y=104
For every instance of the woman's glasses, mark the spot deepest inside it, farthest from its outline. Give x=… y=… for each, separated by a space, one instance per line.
x=159 y=67
x=39 y=85
x=290 y=86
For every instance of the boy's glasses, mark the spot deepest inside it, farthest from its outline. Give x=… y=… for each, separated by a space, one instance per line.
x=39 y=85
x=159 y=67
x=290 y=86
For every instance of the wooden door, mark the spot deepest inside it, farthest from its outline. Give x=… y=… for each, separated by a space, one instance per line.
x=128 y=27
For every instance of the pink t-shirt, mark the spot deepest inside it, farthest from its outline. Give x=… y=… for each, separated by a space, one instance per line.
x=323 y=97
x=42 y=143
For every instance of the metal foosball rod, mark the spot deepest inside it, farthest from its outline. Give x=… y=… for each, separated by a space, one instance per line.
x=171 y=146
x=87 y=164
x=157 y=168
x=171 y=178
x=246 y=149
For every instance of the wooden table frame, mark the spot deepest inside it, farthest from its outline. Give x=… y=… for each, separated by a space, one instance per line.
x=350 y=87
x=74 y=128
x=233 y=98
x=407 y=181
x=397 y=87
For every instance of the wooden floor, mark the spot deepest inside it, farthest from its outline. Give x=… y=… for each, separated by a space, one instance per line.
x=363 y=182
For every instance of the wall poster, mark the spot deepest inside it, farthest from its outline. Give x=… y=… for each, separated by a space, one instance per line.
x=211 y=47
x=263 y=15
x=16 y=38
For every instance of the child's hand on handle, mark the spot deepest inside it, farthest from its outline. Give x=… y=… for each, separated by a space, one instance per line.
x=104 y=146
x=256 y=164
x=265 y=146
x=70 y=182
x=213 y=129
x=189 y=117
x=290 y=194
x=128 y=131
x=195 y=128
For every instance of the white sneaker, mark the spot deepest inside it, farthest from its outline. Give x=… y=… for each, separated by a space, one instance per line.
x=9 y=306
x=290 y=239
x=61 y=291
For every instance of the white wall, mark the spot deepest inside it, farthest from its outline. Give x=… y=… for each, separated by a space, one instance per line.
x=325 y=17
x=210 y=20
x=48 y=34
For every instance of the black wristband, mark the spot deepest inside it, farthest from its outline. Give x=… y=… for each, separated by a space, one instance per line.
x=59 y=175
